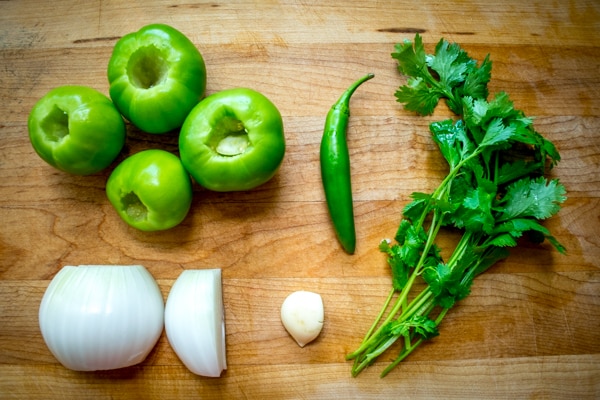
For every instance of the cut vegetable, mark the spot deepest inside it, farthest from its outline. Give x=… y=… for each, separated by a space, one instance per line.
x=302 y=316
x=194 y=321
x=101 y=317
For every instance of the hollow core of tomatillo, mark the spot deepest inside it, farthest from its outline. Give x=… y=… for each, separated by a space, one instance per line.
x=232 y=140
x=55 y=124
x=147 y=67
x=229 y=137
x=133 y=207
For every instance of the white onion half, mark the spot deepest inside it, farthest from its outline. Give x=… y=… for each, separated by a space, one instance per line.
x=194 y=321
x=100 y=317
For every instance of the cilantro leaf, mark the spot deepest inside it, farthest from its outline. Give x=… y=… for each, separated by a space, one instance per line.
x=421 y=324
x=475 y=213
x=404 y=255
x=445 y=283
x=424 y=326
x=453 y=141
x=476 y=82
x=511 y=171
x=421 y=93
x=502 y=240
x=400 y=269
x=531 y=197
x=490 y=123
x=517 y=227
x=417 y=96
x=451 y=63
x=413 y=210
x=498 y=134
x=448 y=73
x=411 y=59
x=555 y=243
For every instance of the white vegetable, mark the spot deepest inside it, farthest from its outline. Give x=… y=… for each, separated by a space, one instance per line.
x=302 y=316
x=99 y=317
x=194 y=321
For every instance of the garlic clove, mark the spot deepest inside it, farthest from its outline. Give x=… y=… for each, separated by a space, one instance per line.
x=302 y=316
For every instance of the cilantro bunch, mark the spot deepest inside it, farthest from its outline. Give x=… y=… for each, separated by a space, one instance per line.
x=495 y=193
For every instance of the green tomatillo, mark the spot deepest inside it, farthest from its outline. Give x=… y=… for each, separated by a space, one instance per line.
x=151 y=190
x=232 y=140
x=76 y=129
x=156 y=76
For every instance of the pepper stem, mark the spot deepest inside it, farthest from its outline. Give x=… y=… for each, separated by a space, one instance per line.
x=344 y=99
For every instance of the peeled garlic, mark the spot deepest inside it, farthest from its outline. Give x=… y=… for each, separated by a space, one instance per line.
x=302 y=316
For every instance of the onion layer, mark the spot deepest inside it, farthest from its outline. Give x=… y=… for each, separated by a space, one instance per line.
x=194 y=321
x=100 y=317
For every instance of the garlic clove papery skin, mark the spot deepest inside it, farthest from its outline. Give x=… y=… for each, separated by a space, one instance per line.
x=302 y=315
x=101 y=317
x=194 y=321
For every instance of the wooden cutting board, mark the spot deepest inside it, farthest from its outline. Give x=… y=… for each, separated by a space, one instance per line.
x=530 y=329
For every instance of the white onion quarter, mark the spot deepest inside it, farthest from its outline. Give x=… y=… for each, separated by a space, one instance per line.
x=100 y=317
x=194 y=321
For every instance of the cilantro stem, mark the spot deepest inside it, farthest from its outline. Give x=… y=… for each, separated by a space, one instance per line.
x=403 y=354
x=446 y=182
x=460 y=248
x=407 y=350
x=371 y=346
x=395 y=309
x=380 y=315
x=372 y=328
x=436 y=224
x=373 y=336
x=421 y=302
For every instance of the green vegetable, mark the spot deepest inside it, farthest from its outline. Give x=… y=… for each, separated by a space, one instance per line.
x=150 y=190
x=233 y=140
x=76 y=129
x=156 y=77
x=335 y=168
x=451 y=74
x=495 y=193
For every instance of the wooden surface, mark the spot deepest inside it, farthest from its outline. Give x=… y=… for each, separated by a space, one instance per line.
x=530 y=329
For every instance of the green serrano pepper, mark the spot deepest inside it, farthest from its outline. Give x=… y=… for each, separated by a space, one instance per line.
x=335 y=168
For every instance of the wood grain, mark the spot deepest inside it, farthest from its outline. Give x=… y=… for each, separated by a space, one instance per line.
x=530 y=329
